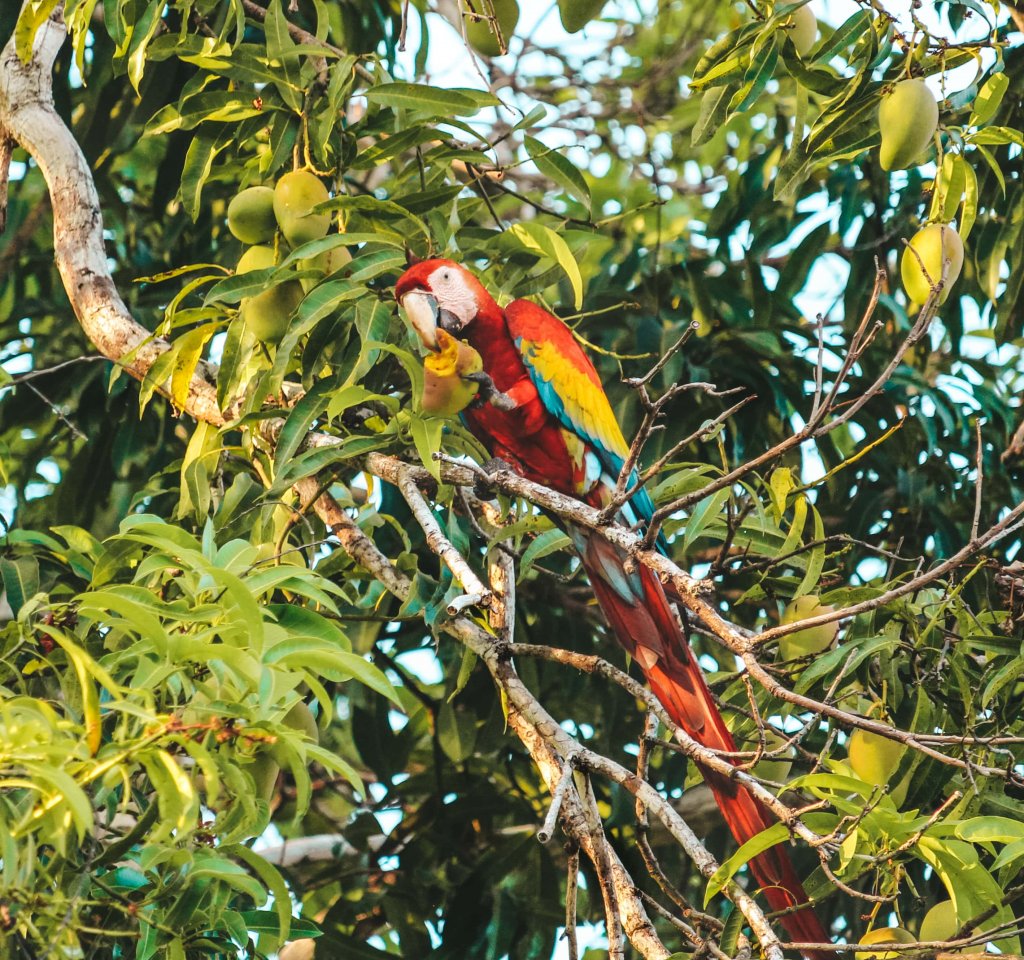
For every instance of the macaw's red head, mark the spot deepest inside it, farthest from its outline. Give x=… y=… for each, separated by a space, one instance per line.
x=440 y=293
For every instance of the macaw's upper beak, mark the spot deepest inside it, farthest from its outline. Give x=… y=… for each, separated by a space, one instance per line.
x=422 y=311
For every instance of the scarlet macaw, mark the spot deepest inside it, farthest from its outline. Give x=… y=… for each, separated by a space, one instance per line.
x=555 y=426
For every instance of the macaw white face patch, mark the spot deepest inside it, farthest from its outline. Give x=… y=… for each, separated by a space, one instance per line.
x=454 y=295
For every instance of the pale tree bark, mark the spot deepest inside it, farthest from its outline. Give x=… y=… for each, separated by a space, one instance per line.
x=28 y=117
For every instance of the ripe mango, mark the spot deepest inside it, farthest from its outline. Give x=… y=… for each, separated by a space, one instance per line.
x=874 y=758
x=804 y=30
x=304 y=949
x=576 y=14
x=811 y=640
x=251 y=215
x=942 y=923
x=939 y=923
x=295 y=194
x=908 y=117
x=445 y=392
x=884 y=935
x=480 y=34
x=939 y=253
x=267 y=314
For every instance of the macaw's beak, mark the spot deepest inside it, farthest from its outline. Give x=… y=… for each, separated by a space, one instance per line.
x=422 y=311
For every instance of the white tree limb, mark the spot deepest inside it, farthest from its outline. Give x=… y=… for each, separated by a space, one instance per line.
x=27 y=115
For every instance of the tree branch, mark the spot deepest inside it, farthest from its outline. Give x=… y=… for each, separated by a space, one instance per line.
x=28 y=115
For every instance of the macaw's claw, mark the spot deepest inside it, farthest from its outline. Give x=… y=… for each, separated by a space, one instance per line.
x=489 y=393
x=481 y=488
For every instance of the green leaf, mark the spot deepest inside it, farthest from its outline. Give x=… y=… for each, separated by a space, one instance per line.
x=856 y=653
x=266 y=921
x=995 y=136
x=986 y=155
x=988 y=99
x=990 y=829
x=300 y=420
x=33 y=15
x=949 y=188
x=850 y=30
x=240 y=285
x=20 y=579
x=551 y=541
x=781 y=484
x=560 y=169
x=1005 y=675
x=280 y=46
x=760 y=71
x=432 y=101
x=199 y=157
x=714 y=107
x=271 y=879
x=189 y=350
x=342 y=663
x=733 y=927
x=542 y=240
x=815 y=559
x=970 y=886
x=426 y=435
x=776 y=833
x=456 y=732
x=704 y=514
x=325 y=298
x=969 y=214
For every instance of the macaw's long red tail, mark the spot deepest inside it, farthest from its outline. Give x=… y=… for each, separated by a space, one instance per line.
x=644 y=623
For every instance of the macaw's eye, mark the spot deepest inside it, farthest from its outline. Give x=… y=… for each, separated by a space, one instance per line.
x=446 y=275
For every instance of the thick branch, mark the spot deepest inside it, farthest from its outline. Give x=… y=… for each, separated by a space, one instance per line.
x=28 y=115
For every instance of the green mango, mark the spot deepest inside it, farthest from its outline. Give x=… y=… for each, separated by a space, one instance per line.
x=576 y=14
x=908 y=117
x=804 y=30
x=251 y=215
x=295 y=195
x=479 y=33
x=803 y=643
x=267 y=314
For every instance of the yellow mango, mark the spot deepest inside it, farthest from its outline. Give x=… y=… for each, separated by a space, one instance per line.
x=445 y=392
x=883 y=935
x=935 y=251
x=873 y=758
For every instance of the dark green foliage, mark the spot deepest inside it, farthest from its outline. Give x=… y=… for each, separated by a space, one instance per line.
x=730 y=184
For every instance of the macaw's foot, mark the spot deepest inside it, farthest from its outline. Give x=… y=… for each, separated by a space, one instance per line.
x=489 y=393
x=481 y=488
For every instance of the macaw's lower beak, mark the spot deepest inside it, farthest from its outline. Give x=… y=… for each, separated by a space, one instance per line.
x=422 y=311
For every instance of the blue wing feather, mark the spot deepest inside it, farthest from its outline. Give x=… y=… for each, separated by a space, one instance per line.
x=534 y=329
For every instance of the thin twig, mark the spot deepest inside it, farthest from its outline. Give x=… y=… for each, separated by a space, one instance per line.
x=547 y=830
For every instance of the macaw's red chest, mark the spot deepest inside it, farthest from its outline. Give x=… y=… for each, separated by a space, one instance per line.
x=529 y=438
